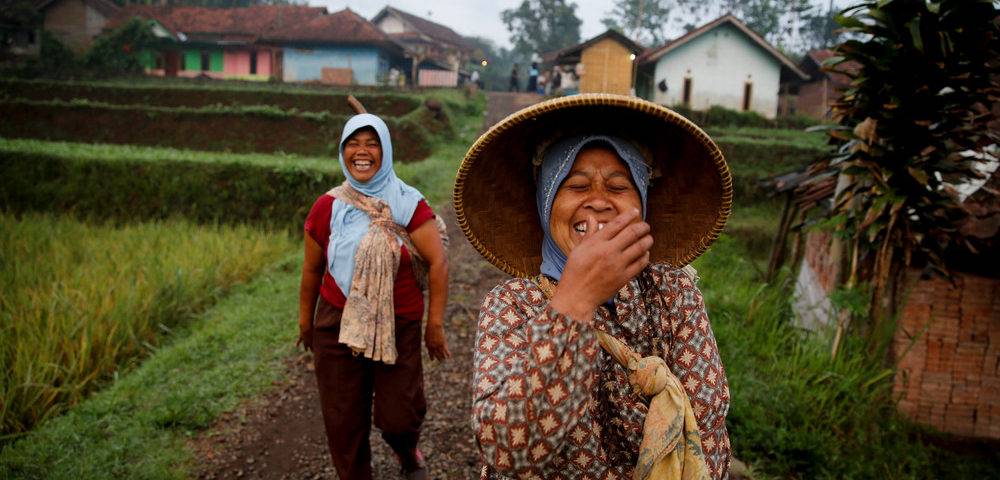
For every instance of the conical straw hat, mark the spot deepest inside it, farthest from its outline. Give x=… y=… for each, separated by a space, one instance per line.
x=688 y=201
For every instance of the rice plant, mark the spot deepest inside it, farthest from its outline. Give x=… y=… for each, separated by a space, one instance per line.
x=83 y=302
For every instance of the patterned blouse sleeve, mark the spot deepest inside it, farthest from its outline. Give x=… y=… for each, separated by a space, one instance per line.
x=534 y=371
x=695 y=361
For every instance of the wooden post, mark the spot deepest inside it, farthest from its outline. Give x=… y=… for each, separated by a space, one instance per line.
x=778 y=246
x=356 y=105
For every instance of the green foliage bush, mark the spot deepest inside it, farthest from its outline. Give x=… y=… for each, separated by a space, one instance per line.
x=116 y=54
x=717 y=116
x=125 y=190
x=54 y=60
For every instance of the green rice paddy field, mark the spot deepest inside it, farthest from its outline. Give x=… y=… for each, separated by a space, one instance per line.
x=83 y=303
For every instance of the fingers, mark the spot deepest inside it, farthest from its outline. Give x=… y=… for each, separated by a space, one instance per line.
x=634 y=250
x=438 y=353
x=630 y=235
x=636 y=266
x=591 y=227
x=617 y=224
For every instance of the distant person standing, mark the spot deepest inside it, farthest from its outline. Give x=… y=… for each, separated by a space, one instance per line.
x=556 y=82
x=474 y=78
x=542 y=81
x=514 y=80
x=532 y=78
x=393 y=77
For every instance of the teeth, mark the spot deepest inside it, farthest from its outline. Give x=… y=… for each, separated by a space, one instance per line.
x=581 y=227
x=362 y=166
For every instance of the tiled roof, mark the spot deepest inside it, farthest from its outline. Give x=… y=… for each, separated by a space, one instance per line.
x=105 y=7
x=819 y=56
x=654 y=54
x=426 y=27
x=344 y=26
x=281 y=23
x=574 y=51
x=255 y=22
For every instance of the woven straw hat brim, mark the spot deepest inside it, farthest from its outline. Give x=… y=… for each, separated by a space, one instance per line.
x=687 y=204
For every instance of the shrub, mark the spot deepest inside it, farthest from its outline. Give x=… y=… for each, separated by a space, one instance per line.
x=137 y=189
x=717 y=116
x=115 y=54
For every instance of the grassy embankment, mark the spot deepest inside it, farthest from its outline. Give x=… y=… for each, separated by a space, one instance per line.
x=136 y=427
x=796 y=413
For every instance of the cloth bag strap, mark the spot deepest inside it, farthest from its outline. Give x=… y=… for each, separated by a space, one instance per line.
x=667 y=452
x=347 y=194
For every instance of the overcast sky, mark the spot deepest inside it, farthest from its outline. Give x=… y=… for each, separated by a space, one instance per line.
x=479 y=18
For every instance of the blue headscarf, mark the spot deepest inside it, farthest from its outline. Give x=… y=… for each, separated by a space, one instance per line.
x=556 y=164
x=348 y=224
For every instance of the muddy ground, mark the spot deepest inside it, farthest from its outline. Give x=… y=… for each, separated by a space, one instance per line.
x=280 y=434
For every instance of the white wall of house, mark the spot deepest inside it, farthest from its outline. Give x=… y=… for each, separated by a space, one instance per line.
x=719 y=63
x=391 y=24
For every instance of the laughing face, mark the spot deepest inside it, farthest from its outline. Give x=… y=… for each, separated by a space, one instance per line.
x=599 y=185
x=363 y=154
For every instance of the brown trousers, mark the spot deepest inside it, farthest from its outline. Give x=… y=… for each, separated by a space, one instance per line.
x=347 y=385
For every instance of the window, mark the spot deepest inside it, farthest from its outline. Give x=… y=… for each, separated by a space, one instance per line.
x=253 y=62
x=747 y=93
x=686 y=94
x=206 y=61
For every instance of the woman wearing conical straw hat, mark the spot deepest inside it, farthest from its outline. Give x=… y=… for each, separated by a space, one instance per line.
x=372 y=245
x=597 y=360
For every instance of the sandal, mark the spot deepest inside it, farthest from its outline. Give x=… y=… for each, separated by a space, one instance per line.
x=419 y=471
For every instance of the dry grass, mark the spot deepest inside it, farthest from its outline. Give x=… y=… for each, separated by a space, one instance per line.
x=82 y=302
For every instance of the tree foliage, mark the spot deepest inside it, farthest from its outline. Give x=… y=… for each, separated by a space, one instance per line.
x=496 y=74
x=792 y=25
x=644 y=21
x=116 y=53
x=917 y=108
x=538 y=26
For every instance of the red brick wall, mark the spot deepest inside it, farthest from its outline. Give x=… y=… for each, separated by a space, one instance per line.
x=810 y=100
x=948 y=376
x=818 y=255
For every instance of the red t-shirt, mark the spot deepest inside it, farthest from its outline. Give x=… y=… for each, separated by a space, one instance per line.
x=408 y=300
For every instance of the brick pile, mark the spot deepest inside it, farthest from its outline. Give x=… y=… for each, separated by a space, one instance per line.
x=821 y=259
x=947 y=344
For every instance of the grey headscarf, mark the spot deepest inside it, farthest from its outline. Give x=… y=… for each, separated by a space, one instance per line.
x=556 y=164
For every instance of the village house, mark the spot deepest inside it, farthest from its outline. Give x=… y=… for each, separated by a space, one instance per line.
x=436 y=52
x=722 y=63
x=280 y=42
x=604 y=64
x=341 y=48
x=75 y=23
x=815 y=96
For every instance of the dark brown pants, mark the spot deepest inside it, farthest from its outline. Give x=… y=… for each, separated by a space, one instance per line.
x=347 y=385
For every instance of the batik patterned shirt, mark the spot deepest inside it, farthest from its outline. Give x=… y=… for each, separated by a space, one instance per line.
x=549 y=403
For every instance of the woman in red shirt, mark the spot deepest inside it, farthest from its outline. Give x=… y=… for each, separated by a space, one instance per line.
x=360 y=243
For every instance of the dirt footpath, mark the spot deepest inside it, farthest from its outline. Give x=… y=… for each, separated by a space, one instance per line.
x=280 y=435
